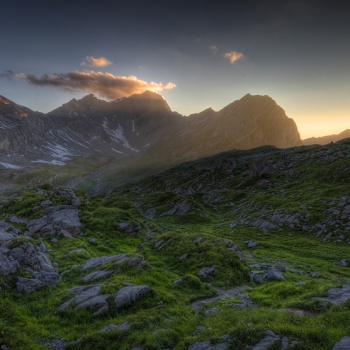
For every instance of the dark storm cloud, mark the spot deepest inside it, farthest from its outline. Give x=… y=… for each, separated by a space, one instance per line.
x=105 y=85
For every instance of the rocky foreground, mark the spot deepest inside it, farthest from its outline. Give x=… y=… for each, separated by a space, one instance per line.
x=244 y=250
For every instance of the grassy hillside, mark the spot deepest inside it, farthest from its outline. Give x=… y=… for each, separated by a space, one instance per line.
x=194 y=225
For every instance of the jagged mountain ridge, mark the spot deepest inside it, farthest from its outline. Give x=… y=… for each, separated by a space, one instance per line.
x=137 y=136
x=129 y=125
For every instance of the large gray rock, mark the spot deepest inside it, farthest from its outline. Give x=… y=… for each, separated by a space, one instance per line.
x=133 y=230
x=337 y=296
x=97 y=275
x=128 y=295
x=343 y=344
x=273 y=274
x=56 y=219
x=33 y=259
x=7 y=231
x=96 y=262
x=206 y=345
x=207 y=272
x=7 y=266
x=97 y=303
x=269 y=339
x=88 y=298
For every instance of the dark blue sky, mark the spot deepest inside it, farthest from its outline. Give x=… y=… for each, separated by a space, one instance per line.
x=297 y=52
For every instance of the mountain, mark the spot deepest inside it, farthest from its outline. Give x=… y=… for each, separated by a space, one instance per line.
x=130 y=137
x=324 y=140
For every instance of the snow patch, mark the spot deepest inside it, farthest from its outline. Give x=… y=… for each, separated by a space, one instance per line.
x=53 y=162
x=117 y=151
x=118 y=135
x=10 y=166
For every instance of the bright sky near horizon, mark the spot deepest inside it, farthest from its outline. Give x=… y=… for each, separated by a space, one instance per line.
x=196 y=53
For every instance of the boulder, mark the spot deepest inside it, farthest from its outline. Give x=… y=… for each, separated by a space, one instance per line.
x=207 y=272
x=315 y=275
x=336 y=296
x=268 y=340
x=55 y=220
x=88 y=298
x=128 y=295
x=97 y=275
x=33 y=259
x=97 y=303
x=96 y=262
x=206 y=345
x=7 y=231
x=132 y=230
x=211 y=311
x=273 y=274
x=250 y=244
x=343 y=344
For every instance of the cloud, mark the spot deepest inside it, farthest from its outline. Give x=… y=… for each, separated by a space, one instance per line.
x=233 y=56
x=104 y=85
x=96 y=62
x=7 y=74
x=214 y=49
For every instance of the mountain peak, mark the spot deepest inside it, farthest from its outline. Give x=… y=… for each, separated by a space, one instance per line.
x=147 y=95
x=10 y=108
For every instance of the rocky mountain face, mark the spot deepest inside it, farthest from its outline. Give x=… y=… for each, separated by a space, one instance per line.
x=324 y=140
x=140 y=131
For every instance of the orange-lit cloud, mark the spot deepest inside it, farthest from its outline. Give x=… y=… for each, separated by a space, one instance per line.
x=104 y=85
x=233 y=56
x=96 y=62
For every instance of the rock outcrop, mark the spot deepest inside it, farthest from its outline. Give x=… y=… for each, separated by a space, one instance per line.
x=16 y=255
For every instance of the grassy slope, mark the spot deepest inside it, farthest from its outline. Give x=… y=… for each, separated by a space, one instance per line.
x=218 y=195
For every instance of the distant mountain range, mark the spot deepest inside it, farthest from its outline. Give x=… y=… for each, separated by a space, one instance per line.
x=323 y=140
x=135 y=135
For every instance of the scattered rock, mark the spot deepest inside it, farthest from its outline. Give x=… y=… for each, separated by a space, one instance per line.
x=96 y=262
x=130 y=229
x=7 y=231
x=268 y=340
x=336 y=296
x=208 y=346
x=211 y=311
x=33 y=260
x=56 y=219
x=273 y=274
x=128 y=295
x=57 y=344
x=97 y=275
x=315 y=275
x=122 y=327
x=87 y=297
x=343 y=344
x=76 y=251
x=250 y=244
x=207 y=272
x=184 y=256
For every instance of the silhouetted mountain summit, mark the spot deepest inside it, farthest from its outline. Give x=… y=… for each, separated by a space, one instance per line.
x=139 y=129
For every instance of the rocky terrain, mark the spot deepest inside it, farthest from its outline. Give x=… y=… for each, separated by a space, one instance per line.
x=241 y=250
x=95 y=145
